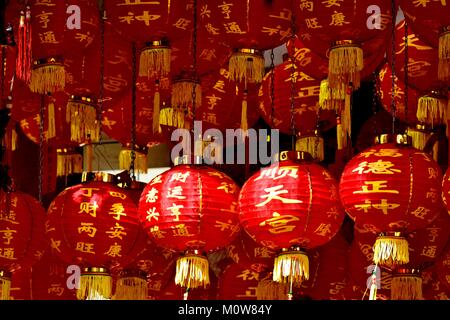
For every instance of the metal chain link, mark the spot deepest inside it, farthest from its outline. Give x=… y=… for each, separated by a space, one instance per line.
x=194 y=65
x=393 y=42
x=102 y=14
x=133 y=113
x=272 y=87
x=375 y=89
x=406 y=71
x=41 y=148
x=293 y=82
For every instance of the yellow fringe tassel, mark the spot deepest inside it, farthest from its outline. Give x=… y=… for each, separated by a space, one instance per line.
x=11 y=140
x=291 y=266
x=419 y=138
x=432 y=110
x=182 y=94
x=155 y=62
x=156 y=110
x=84 y=126
x=172 y=118
x=140 y=163
x=5 y=288
x=311 y=144
x=390 y=250
x=51 y=133
x=95 y=287
x=444 y=57
x=268 y=289
x=406 y=287
x=332 y=99
x=345 y=65
x=69 y=163
x=48 y=78
x=244 y=120
x=192 y=272
x=246 y=66
x=131 y=288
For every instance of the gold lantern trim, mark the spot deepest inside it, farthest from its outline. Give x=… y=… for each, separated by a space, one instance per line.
x=48 y=75
x=140 y=163
x=5 y=285
x=81 y=114
x=406 y=284
x=346 y=61
x=390 y=249
x=291 y=266
x=95 y=284
x=68 y=162
x=131 y=285
x=444 y=55
x=155 y=59
x=192 y=270
x=247 y=65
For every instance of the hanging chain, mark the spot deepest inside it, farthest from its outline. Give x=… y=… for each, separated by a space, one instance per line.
x=293 y=83
x=375 y=89
x=406 y=71
x=194 y=66
x=102 y=74
x=133 y=113
x=393 y=43
x=272 y=88
x=41 y=148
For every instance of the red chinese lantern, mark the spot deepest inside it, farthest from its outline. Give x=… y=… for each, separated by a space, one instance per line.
x=292 y=205
x=191 y=209
x=94 y=225
x=306 y=107
x=429 y=19
x=22 y=235
x=391 y=189
x=54 y=34
x=433 y=289
x=443 y=268
x=446 y=190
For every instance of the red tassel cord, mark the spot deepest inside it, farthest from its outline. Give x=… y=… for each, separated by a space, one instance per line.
x=24 y=59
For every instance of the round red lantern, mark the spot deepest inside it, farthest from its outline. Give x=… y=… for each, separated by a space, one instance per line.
x=191 y=209
x=94 y=225
x=391 y=189
x=22 y=235
x=291 y=206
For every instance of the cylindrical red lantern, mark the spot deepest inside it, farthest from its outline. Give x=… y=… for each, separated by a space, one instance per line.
x=291 y=206
x=191 y=209
x=390 y=189
x=94 y=225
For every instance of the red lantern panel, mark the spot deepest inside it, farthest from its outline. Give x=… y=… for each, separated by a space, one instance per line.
x=21 y=285
x=433 y=288
x=291 y=204
x=443 y=268
x=240 y=281
x=391 y=188
x=190 y=207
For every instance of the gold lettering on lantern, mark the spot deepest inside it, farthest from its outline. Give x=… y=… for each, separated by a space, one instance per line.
x=47 y=3
x=210 y=117
x=87 y=192
x=323 y=230
x=152 y=214
x=108 y=123
x=158 y=234
x=384 y=206
x=56 y=289
x=424 y=3
x=146 y=17
x=378 y=167
x=205 y=12
x=433 y=234
x=89 y=208
x=180 y=177
x=298 y=76
x=55 y=244
x=228 y=187
x=429 y=251
x=85 y=247
x=233 y=27
x=250 y=292
x=248 y=275
x=181 y=230
x=279 y=223
x=226 y=9
x=333 y=213
x=211 y=29
x=300 y=55
x=176 y=192
x=175 y=211
x=263 y=252
x=336 y=287
x=217 y=174
x=376 y=187
x=208 y=54
x=182 y=23
x=114 y=250
x=432 y=194
x=338 y=19
x=232 y=208
x=212 y=101
x=116 y=232
x=7 y=235
x=48 y=227
x=136 y=2
x=279 y=173
x=220 y=86
x=311 y=91
x=44 y=19
x=84 y=37
x=223 y=226
x=273 y=193
x=156 y=180
x=394 y=153
x=308 y=5
x=114 y=84
x=420 y=212
x=312 y=23
x=120 y=195
x=87 y=228
x=331 y=3
x=411 y=43
x=48 y=37
x=398 y=224
x=432 y=173
x=7 y=253
x=417 y=68
x=117 y=210
x=285 y=14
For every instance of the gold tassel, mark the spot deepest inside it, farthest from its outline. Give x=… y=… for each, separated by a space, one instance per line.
x=182 y=94
x=339 y=134
x=51 y=131
x=390 y=250
x=95 y=284
x=268 y=289
x=291 y=266
x=345 y=64
x=48 y=77
x=432 y=110
x=311 y=144
x=155 y=61
x=131 y=288
x=13 y=140
x=418 y=136
x=84 y=125
x=444 y=55
x=5 y=285
x=244 y=120
x=406 y=287
x=172 y=118
x=68 y=163
x=156 y=110
x=332 y=99
x=89 y=157
x=192 y=272
x=140 y=163
x=247 y=65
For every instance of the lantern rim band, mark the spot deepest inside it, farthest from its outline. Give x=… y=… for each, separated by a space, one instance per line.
x=156 y=44
x=344 y=43
x=391 y=234
x=444 y=31
x=97 y=177
x=292 y=249
x=56 y=61
x=95 y=271
x=133 y=273
x=294 y=156
x=66 y=150
x=408 y=272
x=82 y=99
x=193 y=253
x=248 y=51
x=5 y=275
x=399 y=139
x=186 y=78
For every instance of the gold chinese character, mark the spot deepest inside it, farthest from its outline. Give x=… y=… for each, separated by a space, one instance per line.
x=7 y=253
x=181 y=230
x=232 y=208
x=384 y=206
x=116 y=232
x=220 y=86
x=432 y=194
x=158 y=234
x=411 y=42
x=432 y=173
x=433 y=234
x=279 y=223
x=175 y=211
x=376 y=187
x=263 y=252
x=248 y=275
x=89 y=208
x=228 y=187
x=211 y=29
x=233 y=27
x=117 y=210
x=312 y=23
x=308 y=5
x=212 y=101
x=7 y=235
x=44 y=19
x=87 y=228
x=379 y=167
x=394 y=153
x=421 y=212
x=429 y=251
x=182 y=23
x=87 y=192
x=223 y=226
x=338 y=19
x=323 y=230
x=48 y=37
x=176 y=192
x=85 y=247
x=55 y=244
x=152 y=214
x=120 y=195
x=331 y=3
x=84 y=37
x=285 y=14
x=180 y=177
x=114 y=250
x=274 y=194
x=226 y=9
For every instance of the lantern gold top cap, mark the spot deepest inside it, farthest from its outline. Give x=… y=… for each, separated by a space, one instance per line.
x=344 y=43
x=97 y=177
x=57 y=60
x=444 y=31
x=388 y=234
x=128 y=273
x=157 y=44
x=399 y=139
x=407 y=271
x=293 y=249
x=95 y=270
x=5 y=274
x=293 y=155
x=82 y=99
x=248 y=51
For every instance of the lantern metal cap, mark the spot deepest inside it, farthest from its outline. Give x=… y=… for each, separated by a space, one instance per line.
x=292 y=249
x=96 y=271
x=248 y=51
x=187 y=76
x=82 y=99
x=97 y=177
x=66 y=150
x=399 y=139
x=133 y=273
x=56 y=60
x=407 y=272
x=194 y=252
x=156 y=44
x=444 y=31
x=394 y=234
x=344 y=43
x=294 y=156
x=5 y=274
